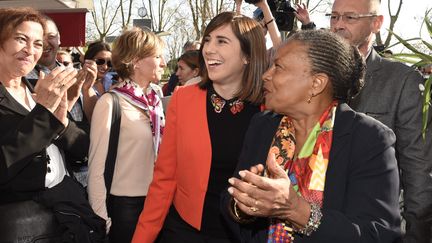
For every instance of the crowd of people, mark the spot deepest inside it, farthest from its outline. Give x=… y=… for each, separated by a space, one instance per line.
x=315 y=139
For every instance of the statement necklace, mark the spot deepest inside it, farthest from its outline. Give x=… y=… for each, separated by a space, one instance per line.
x=218 y=103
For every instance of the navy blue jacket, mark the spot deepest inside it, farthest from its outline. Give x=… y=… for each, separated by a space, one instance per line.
x=362 y=181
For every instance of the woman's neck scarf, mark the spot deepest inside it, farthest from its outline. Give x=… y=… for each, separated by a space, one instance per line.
x=307 y=171
x=150 y=103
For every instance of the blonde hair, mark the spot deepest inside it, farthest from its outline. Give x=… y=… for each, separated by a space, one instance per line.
x=132 y=45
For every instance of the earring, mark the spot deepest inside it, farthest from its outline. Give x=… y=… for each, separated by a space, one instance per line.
x=310 y=98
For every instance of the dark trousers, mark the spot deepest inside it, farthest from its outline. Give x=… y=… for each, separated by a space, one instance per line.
x=175 y=229
x=124 y=213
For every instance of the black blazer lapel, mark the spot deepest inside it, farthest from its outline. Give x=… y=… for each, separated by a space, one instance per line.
x=267 y=131
x=337 y=161
x=343 y=123
x=9 y=103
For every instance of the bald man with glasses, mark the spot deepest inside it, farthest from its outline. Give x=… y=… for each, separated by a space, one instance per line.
x=391 y=95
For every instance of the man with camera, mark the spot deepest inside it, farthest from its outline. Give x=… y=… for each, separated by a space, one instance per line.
x=278 y=15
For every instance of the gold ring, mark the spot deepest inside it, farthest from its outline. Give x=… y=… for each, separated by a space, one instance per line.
x=253 y=209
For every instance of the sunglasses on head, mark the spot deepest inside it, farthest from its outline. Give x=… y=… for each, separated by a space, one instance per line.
x=100 y=61
x=66 y=63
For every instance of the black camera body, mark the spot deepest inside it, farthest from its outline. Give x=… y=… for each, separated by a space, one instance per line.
x=283 y=14
x=282 y=11
x=252 y=1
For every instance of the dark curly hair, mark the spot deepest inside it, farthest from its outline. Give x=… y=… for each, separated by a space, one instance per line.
x=332 y=55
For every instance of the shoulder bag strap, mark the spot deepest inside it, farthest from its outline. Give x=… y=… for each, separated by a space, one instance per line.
x=113 y=142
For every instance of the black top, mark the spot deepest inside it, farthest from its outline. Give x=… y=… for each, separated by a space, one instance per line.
x=361 y=186
x=227 y=131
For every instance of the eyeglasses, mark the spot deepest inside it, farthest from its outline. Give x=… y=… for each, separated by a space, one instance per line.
x=101 y=61
x=348 y=18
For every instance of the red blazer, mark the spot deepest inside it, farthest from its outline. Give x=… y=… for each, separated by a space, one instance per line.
x=182 y=168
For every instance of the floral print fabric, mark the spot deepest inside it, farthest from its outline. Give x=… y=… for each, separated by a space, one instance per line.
x=307 y=171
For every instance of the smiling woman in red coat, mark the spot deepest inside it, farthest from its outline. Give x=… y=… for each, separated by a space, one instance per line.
x=205 y=127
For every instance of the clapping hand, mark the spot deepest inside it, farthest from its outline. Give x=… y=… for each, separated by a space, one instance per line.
x=51 y=90
x=91 y=68
x=86 y=77
x=271 y=196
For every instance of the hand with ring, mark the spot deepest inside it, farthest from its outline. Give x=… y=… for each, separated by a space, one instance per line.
x=254 y=208
x=269 y=197
x=51 y=89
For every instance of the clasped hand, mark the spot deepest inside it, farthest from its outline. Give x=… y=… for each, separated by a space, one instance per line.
x=85 y=80
x=51 y=91
x=271 y=196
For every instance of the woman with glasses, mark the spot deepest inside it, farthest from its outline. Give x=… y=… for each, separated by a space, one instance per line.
x=100 y=52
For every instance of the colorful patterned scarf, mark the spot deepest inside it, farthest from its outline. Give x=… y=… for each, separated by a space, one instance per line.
x=307 y=171
x=149 y=102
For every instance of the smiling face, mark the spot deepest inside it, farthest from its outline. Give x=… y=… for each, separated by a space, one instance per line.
x=185 y=72
x=104 y=67
x=288 y=82
x=20 y=53
x=51 y=45
x=224 y=59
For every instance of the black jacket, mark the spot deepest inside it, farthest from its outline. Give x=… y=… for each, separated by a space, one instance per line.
x=24 y=138
x=361 y=188
x=23 y=166
x=392 y=96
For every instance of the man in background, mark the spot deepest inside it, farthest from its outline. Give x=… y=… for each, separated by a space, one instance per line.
x=79 y=110
x=391 y=95
x=47 y=62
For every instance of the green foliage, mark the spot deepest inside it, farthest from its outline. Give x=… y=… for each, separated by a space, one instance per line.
x=419 y=59
x=167 y=73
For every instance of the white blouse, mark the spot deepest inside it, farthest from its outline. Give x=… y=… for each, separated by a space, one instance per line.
x=56 y=169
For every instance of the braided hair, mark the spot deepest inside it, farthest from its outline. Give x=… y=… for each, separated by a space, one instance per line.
x=332 y=55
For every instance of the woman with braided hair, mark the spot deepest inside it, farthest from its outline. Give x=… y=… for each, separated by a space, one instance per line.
x=330 y=173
